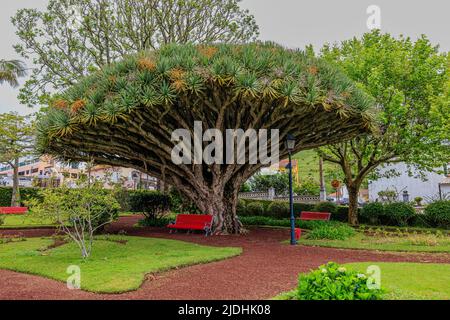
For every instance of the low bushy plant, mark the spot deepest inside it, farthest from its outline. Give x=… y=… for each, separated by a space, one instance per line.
x=152 y=204
x=255 y=209
x=341 y=214
x=26 y=194
x=371 y=212
x=241 y=207
x=331 y=231
x=278 y=209
x=180 y=204
x=326 y=206
x=334 y=282
x=437 y=213
x=399 y=213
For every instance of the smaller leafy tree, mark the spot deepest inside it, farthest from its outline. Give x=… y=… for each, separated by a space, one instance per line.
x=16 y=141
x=409 y=81
x=79 y=212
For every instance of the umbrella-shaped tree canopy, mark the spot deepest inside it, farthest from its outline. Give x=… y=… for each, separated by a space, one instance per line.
x=125 y=114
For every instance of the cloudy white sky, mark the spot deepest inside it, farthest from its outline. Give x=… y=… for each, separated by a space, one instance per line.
x=293 y=23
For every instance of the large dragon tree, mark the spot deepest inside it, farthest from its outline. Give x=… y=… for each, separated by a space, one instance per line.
x=125 y=114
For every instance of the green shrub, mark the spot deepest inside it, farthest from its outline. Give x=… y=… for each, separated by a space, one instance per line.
x=399 y=213
x=264 y=221
x=241 y=207
x=372 y=212
x=333 y=282
x=267 y=221
x=153 y=204
x=255 y=209
x=122 y=196
x=326 y=206
x=331 y=231
x=341 y=214
x=299 y=207
x=438 y=213
x=278 y=209
x=26 y=194
x=180 y=204
x=2 y=220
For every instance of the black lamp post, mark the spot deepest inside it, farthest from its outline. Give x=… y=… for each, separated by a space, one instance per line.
x=290 y=145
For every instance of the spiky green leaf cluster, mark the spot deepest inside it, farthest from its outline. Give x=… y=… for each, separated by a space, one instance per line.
x=160 y=79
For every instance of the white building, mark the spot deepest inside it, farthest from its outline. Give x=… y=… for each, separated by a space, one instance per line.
x=429 y=188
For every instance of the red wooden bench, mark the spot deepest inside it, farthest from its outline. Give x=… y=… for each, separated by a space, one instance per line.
x=192 y=222
x=13 y=210
x=309 y=215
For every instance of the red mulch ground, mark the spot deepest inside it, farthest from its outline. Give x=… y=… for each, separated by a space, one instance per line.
x=265 y=268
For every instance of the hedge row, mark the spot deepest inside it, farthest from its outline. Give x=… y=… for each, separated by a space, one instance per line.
x=437 y=214
x=280 y=210
x=25 y=194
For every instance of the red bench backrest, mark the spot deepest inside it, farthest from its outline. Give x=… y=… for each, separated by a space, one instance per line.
x=309 y=215
x=194 y=218
x=13 y=210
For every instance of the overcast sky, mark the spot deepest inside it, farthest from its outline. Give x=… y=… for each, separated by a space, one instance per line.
x=293 y=23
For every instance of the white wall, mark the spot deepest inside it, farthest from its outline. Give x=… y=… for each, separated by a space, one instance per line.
x=416 y=187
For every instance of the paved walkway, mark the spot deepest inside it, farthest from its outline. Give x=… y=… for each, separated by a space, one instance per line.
x=265 y=268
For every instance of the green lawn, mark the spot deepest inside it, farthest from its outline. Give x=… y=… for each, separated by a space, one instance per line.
x=405 y=281
x=412 y=243
x=418 y=281
x=24 y=221
x=113 y=267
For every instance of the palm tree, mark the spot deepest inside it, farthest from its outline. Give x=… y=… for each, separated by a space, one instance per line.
x=10 y=70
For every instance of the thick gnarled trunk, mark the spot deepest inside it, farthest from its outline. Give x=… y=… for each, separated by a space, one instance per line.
x=221 y=203
x=225 y=220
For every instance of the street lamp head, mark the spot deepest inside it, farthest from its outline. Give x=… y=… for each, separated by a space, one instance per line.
x=290 y=142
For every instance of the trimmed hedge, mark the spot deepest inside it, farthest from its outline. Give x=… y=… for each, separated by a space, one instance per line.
x=372 y=212
x=399 y=213
x=437 y=214
x=326 y=206
x=25 y=195
x=340 y=213
x=153 y=204
x=309 y=225
x=278 y=209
